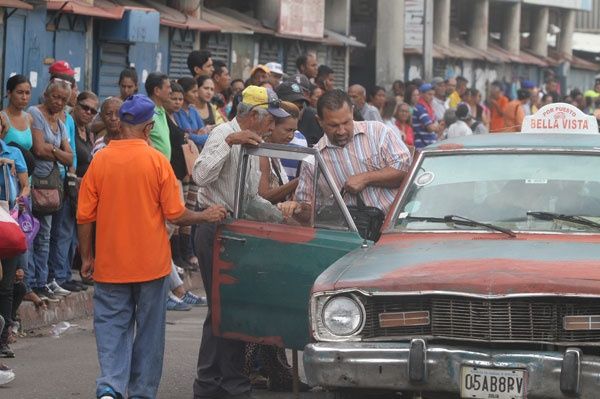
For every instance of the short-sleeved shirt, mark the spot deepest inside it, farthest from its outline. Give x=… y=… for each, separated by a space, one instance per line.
x=10 y=152
x=421 y=118
x=130 y=191
x=497 y=117
x=190 y=121
x=42 y=166
x=159 y=135
x=373 y=147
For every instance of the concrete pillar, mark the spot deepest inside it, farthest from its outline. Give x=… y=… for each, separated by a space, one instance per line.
x=441 y=22
x=567 y=27
x=478 y=34
x=539 y=31
x=389 y=59
x=511 y=37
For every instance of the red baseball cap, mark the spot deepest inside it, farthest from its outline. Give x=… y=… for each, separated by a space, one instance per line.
x=61 y=68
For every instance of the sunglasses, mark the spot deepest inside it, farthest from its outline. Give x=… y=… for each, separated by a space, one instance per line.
x=63 y=81
x=274 y=103
x=87 y=108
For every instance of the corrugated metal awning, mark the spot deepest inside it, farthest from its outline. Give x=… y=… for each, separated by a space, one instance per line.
x=243 y=20
x=177 y=19
x=225 y=23
x=15 y=4
x=80 y=7
x=342 y=40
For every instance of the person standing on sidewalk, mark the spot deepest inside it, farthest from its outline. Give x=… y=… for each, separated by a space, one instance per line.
x=130 y=191
x=220 y=361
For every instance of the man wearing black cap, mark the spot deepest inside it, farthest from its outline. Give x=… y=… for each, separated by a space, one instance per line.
x=220 y=361
x=129 y=192
x=294 y=92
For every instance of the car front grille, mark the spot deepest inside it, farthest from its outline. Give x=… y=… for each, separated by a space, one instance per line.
x=492 y=320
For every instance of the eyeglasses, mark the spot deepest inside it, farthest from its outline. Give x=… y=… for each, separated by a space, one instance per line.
x=274 y=103
x=63 y=81
x=87 y=108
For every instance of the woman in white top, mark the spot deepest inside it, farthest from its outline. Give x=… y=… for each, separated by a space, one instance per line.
x=274 y=185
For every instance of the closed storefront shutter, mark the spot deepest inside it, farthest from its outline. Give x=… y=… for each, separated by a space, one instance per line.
x=113 y=59
x=269 y=51
x=219 y=45
x=337 y=57
x=293 y=51
x=180 y=47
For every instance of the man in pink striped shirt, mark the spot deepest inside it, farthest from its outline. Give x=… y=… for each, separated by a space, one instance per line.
x=364 y=158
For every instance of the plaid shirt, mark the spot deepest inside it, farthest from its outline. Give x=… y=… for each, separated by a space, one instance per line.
x=373 y=147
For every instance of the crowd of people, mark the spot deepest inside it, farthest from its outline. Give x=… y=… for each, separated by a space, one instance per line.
x=95 y=156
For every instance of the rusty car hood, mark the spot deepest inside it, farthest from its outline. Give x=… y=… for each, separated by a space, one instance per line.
x=478 y=264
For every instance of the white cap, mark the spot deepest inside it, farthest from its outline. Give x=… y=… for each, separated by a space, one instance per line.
x=275 y=67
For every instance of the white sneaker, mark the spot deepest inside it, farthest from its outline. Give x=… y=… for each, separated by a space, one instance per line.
x=6 y=375
x=57 y=289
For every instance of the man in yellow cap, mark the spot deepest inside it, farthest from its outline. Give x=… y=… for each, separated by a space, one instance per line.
x=221 y=360
x=259 y=75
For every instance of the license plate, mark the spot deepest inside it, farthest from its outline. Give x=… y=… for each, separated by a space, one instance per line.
x=482 y=383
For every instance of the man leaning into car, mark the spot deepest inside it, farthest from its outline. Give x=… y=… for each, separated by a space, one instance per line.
x=365 y=159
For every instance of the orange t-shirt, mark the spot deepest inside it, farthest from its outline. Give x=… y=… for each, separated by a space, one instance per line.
x=497 y=116
x=513 y=116
x=130 y=190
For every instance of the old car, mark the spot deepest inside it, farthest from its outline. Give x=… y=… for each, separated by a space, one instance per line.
x=484 y=284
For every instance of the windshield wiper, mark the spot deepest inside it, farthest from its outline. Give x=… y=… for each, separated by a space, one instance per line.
x=566 y=218
x=463 y=221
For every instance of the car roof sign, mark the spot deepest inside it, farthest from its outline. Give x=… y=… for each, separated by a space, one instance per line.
x=560 y=118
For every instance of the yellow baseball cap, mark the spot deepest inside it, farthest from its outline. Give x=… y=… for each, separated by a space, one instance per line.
x=261 y=97
x=261 y=67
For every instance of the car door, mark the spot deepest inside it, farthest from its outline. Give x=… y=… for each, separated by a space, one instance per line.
x=263 y=271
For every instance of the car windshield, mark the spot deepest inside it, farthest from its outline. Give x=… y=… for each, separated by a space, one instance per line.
x=505 y=189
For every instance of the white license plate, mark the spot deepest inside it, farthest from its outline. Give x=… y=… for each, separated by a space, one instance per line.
x=482 y=383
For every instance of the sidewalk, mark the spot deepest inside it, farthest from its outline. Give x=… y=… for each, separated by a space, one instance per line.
x=76 y=306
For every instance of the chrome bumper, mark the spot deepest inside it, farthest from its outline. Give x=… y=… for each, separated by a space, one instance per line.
x=416 y=367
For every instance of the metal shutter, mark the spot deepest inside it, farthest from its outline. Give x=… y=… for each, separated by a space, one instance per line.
x=181 y=45
x=269 y=51
x=293 y=51
x=337 y=62
x=219 y=45
x=113 y=59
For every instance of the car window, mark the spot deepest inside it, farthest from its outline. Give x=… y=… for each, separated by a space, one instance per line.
x=501 y=189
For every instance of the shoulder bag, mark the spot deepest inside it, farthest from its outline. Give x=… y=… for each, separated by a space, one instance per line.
x=47 y=193
x=368 y=219
x=12 y=238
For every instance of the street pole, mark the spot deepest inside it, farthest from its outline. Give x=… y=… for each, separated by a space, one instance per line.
x=428 y=41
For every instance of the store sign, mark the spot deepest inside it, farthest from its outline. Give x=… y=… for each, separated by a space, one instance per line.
x=305 y=18
x=560 y=118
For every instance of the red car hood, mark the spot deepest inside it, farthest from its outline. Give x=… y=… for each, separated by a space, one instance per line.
x=478 y=264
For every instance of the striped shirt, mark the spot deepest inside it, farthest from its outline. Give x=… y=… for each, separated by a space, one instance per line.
x=373 y=147
x=422 y=117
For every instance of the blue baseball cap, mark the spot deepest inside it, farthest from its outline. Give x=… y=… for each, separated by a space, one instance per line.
x=136 y=109
x=425 y=87
x=527 y=84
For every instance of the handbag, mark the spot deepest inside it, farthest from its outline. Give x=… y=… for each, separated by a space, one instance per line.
x=72 y=184
x=368 y=219
x=47 y=193
x=12 y=238
x=191 y=154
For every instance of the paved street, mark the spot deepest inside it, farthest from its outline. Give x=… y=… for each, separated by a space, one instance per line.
x=66 y=367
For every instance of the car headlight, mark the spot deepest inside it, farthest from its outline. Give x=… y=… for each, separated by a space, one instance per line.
x=342 y=316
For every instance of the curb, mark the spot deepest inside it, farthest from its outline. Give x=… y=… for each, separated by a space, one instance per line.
x=78 y=305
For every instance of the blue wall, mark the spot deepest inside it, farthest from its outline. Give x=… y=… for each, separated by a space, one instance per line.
x=69 y=45
x=150 y=57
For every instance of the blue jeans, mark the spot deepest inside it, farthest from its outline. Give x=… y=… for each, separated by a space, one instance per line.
x=129 y=320
x=37 y=273
x=61 y=244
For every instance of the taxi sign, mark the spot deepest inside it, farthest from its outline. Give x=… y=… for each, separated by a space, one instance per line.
x=560 y=118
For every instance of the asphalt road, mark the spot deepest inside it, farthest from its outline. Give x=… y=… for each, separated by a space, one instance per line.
x=66 y=367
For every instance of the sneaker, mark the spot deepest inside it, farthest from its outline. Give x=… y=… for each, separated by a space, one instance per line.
x=6 y=374
x=57 y=290
x=70 y=286
x=194 y=300
x=6 y=352
x=107 y=393
x=180 y=270
x=81 y=285
x=46 y=294
x=174 y=303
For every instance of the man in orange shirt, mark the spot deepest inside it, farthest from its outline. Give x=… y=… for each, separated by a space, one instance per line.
x=497 y=102
x=514 y=113
x=130 y=191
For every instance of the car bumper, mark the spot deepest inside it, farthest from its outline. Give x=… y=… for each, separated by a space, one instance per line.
x=416 y=366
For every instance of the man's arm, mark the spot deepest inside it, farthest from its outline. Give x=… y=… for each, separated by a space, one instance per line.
x=387 y=177
x=84 y=234
x=212 y=214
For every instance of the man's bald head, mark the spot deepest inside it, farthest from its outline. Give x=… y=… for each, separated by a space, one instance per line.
x=358 y=94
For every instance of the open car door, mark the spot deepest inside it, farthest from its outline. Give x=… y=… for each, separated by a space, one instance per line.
x=264 y=267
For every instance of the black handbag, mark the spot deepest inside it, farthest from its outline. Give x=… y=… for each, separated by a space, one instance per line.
x=47 y=193
x=368 y=219
x=72 y=184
